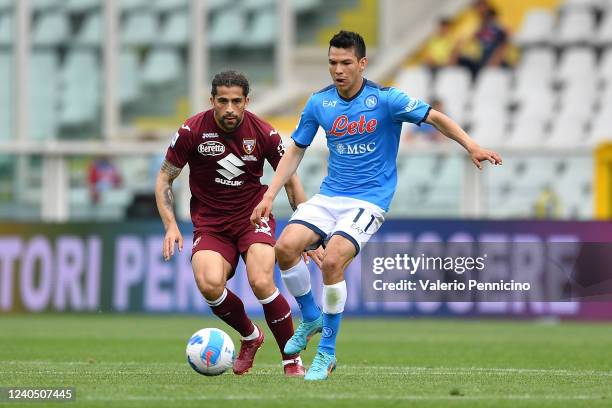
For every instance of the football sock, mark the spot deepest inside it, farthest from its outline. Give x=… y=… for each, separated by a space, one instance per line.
x=278 y=316
x=230 y=309
x=297 y=281
x=334 y=299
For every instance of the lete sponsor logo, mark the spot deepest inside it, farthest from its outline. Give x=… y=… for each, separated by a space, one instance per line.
x=342 y=126
x=211 y=148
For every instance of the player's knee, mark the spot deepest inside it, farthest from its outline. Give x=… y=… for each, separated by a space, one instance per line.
x=286 y=253
x=261 y=285
x=332 y=265
x=210 y=289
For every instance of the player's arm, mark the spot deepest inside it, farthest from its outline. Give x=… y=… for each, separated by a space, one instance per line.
x=285 y=170
x=295 y=191
x=165 y=205
x=452 y=130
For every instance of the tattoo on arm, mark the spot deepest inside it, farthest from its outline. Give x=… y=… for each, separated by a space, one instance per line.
x=168 y=198
x=171 y=170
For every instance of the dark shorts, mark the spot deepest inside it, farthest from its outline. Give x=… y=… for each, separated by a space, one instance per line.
x=234 y=240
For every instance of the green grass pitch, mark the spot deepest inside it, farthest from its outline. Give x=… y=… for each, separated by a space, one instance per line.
x=139 y=361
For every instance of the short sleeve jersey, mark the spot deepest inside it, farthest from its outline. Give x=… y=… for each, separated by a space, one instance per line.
x=363 y=135
x=224 y=168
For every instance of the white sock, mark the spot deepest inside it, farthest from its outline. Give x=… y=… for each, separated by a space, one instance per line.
x=217 y=302
x=334 y=298
x=269 y=298
x=253 y=335
x=297 y=279
x=298 y=359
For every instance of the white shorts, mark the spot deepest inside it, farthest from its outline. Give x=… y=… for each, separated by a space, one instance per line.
x=355 y=220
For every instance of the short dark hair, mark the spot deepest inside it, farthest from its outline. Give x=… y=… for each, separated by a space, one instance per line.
x=230 y=78
x=349 y=39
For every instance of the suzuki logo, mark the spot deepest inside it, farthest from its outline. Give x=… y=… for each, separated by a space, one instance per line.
x=230 y=164
x=342 y=126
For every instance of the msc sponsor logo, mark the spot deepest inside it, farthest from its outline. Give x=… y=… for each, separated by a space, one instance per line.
x=329 y=104
x=343 y=126
x=371 y=101
x=211 y=148
x=356 y=148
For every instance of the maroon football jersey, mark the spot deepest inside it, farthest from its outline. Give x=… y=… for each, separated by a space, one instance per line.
x=224 y=168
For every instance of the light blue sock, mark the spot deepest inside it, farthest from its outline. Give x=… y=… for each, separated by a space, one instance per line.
x=308 y=307
x=331 y=325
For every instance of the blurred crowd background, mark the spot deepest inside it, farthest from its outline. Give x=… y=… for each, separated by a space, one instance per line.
x=91 y=92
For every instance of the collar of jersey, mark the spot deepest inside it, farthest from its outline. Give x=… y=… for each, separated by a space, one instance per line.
x=354 y=96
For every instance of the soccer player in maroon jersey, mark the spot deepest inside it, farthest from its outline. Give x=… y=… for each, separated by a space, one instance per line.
x=225 y=148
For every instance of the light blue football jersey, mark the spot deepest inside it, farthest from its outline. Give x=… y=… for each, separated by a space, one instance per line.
x=363 y=135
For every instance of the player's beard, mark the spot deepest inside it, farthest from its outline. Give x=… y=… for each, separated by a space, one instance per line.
x=228 y=124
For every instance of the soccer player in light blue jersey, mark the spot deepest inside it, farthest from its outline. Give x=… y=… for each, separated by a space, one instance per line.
x=362 y=122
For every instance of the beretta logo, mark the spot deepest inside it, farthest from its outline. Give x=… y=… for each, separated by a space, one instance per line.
x=211 y=148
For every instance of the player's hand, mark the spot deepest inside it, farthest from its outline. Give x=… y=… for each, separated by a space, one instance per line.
x=173 y=235
x=479 y=155
x=263 y=210
x=316 y=255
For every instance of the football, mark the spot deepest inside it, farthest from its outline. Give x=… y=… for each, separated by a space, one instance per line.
x=210 y=351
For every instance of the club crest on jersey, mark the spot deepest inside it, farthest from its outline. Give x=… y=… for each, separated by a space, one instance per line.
x=371 y=101
x=211 y=148
x=343 y=126
x=249 y=145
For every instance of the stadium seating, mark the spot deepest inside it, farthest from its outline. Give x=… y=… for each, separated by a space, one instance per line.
x=175 y=31
x=162 y=66
x=140 y=29
x=80 y=6
x=131 y=81
x=263 y=30
x=220 y=36
x=52 y=30
x=81 y=88
x=6 y=96
x=537 y=28
x=44 y=95
x=166 y=6
x=415 y=81
x=576 y=26
x=45 y=5
x=90 y=34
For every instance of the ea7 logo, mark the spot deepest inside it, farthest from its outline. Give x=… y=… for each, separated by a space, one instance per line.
x=329 y=104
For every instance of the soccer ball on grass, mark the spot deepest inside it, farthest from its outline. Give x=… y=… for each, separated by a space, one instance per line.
x=210 y=351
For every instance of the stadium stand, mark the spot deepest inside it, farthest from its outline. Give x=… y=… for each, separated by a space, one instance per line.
x=559 y=95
